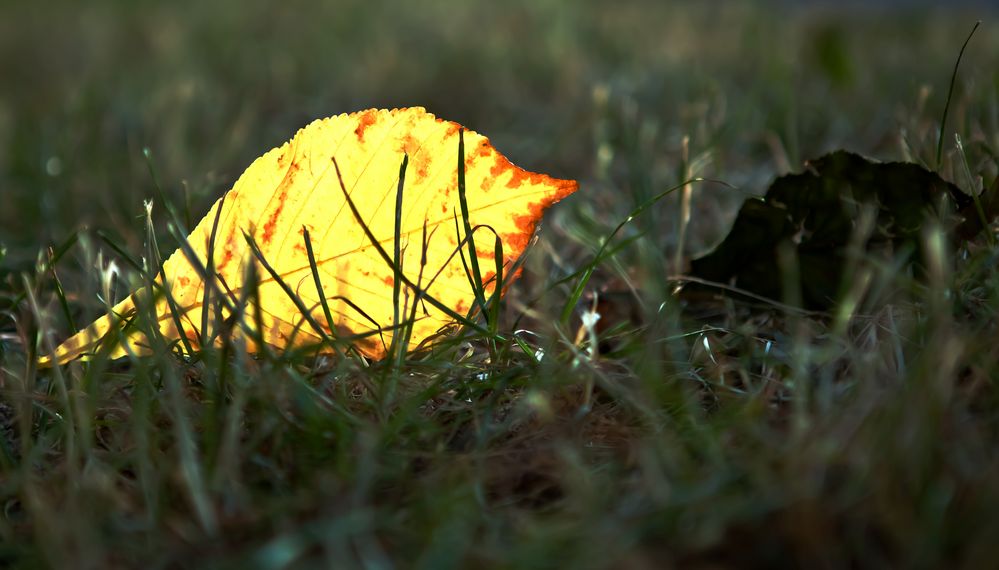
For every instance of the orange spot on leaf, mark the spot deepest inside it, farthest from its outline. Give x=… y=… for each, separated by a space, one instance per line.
x=527 y=222
x=281 y=198
x=499 y=166
x=419 y=160
x=365 y=120
x=227 y=250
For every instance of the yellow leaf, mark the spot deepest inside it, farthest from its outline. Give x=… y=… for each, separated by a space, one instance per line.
x=297 y=186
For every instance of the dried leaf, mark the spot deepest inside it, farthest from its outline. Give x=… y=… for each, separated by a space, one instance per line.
x=816 y=212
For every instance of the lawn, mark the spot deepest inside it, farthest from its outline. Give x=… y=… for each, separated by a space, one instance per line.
x=694 y=425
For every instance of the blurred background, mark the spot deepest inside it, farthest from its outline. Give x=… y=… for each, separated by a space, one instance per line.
x=604 y=92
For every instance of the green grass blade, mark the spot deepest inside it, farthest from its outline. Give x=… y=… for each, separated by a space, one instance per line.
x=119 y=251
x=175 y=313
x=577 y=291
x=388 y=260
x=206 y=338
x=950 y=93
x=469 y=233
x=63 y=303
x=397 y=255
x=320 y=291
x=299 y=304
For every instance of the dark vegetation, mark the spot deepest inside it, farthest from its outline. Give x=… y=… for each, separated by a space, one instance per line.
x=844 y=413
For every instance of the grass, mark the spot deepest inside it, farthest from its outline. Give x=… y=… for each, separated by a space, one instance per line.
x=680 y=429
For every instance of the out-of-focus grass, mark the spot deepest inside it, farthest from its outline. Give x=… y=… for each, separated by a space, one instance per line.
x=209 y=86
x=767 y=439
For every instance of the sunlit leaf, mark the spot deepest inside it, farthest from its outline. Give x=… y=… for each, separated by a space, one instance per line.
x=296 y=190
